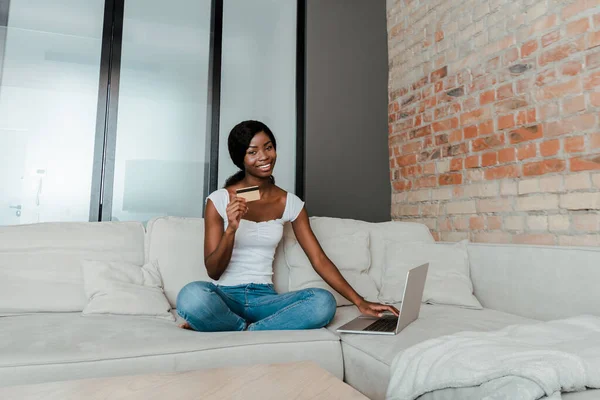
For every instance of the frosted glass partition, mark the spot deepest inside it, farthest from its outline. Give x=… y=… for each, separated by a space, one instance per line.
x=48 y=101
x=258 y=78
x=161 y=127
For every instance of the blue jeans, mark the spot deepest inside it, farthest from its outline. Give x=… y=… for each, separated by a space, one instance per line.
x=254 y=307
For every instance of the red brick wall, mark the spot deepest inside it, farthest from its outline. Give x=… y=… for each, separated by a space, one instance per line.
x=494 y=128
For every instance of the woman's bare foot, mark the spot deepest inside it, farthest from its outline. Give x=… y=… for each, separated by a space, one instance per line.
x=185 y=325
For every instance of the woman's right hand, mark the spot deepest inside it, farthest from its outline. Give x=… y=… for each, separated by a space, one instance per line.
x=236 y=209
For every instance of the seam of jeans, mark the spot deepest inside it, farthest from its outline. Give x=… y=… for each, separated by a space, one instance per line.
x=221 y=291
x=238 y=301
x=233 y=286
x=274 y=299
x=270 y=317
x=240 y=326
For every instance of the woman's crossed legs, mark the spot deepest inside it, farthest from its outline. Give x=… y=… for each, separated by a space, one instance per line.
x=210 y=308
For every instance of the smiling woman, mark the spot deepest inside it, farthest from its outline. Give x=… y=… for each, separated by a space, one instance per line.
x=239 y=248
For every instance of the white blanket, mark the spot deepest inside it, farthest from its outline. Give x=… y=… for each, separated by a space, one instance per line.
x=517 y=362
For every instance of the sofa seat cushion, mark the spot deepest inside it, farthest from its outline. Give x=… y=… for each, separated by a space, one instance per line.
x=367 y=358
x=73 y=343
x=433 y=321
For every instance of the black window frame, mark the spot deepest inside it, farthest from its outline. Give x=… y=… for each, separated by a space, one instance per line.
x=108 y=99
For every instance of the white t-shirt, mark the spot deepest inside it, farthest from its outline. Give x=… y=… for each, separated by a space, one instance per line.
x=255 y=242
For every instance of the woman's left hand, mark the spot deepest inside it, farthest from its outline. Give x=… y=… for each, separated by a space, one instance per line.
x=376 y=309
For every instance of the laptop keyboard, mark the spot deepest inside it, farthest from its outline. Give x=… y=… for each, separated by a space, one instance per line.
x=383 y=325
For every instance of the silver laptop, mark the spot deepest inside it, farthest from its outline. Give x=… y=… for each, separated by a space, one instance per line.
x=409 y=310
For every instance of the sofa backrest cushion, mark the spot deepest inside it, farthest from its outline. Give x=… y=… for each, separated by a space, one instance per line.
x=448 y=281
x=281 y=275
x=346 y=243
x=384 y=234
x=360 y=257
x=541 y=282
x=41 y=264
x=178 y=245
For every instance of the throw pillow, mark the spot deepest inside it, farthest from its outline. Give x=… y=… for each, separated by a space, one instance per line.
x=117 y=287
x=350 y=253
x=448 y=280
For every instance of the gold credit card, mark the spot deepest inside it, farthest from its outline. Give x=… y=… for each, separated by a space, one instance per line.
x=249 y=193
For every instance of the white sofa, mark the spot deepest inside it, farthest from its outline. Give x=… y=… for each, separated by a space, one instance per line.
x=44 y=337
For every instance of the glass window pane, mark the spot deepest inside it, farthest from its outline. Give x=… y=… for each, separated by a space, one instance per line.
x=258 y=78
x=48 y=101
x=161 y=128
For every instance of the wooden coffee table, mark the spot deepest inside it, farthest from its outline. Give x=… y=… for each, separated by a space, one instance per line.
x=301 y=380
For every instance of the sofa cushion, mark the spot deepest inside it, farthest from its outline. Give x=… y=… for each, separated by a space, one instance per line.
x=448 y=281
x=177 y=244
x=392 y=232
x=61 y=346
x=125 y=289
x=43 y=261
x=346 y=243
x=281 y=273
x=379 y=234
x=367 y=358
x=542 y=282
x=433 y=321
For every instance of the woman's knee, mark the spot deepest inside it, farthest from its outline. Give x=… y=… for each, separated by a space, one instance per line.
x=324 y=306
x=193 y=295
